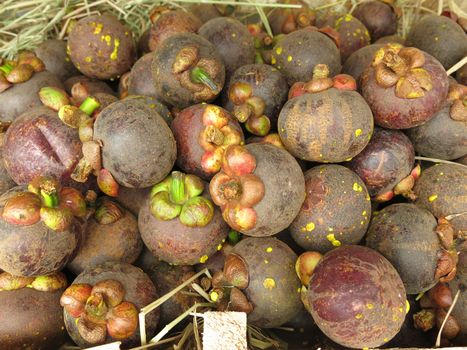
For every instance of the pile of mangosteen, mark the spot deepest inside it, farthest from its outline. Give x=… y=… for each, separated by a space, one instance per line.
x=317 y=167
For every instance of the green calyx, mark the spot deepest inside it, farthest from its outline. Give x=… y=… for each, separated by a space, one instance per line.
x=89 y=105
x=179 y=195
x=6 y=68
x=200 y=76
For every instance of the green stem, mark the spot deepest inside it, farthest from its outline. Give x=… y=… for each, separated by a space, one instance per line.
x=177 y=188
x=200 y=76
x=89 y=105
x=234 y=237
x=50 y=200
x=6 y=68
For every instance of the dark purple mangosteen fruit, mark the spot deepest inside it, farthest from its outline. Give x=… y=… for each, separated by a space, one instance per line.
x=288 y=20
x=358 y=61
x=380 y=17
x=53 y=53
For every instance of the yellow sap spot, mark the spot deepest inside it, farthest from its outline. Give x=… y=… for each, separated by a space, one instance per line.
x=310 y=226
x=273 y=60
x=365 y=349
x=219 y=247
x=407 y=306
x=279 y=50
x=269 y=283
x=436 y=38
x=331 y=238
x=368 y=197
x=348 y=159
x=358 y=30
x=266 y=261
x=127 y=33
x=214 y=296
x=160 y=244
x=289 y=58
x=330 y=229
x=395 y=318
x=441 y=173
x=234 y=35
x=299 y=289
x=356 y=187
x=203 y=259
x=432 y=198
x=362 y=222
x=321 y=155
x=369 y=306
x=364 y=212
x=269 y=249
x=88 y=59
x=152 y=105
x=358 y=316
x=67 y=59
x=98 y=28
x=114 y=54
x=107 y=39
x=358 y=132
x=386 y=339
x=348 y=18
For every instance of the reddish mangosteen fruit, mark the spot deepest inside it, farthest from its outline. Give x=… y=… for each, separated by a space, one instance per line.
x=40 y=230
x=336 y=209
x=53 y=53
x=255 y=95
x=442 y=189
x=327 y=123
x=111 y=234
x=288 y=20
x=358 y=61
x=169 y=23
x=138 y=148
x=187 y=69
x=103 y=303
x=444 y=136
x=272 y=139
x=31 y=315
x=21 y=97
x=232 y=40
x=252 y=200
x=406 y=235
x=168 y=277
x=292 y=55
x=356 y=297
x=38 y=143
x=101 y=47
x=440 y=37
x=259 y=278
x=140 y=79
x=352 y=33
x=391 y=39
x=179 y=224
x=132 y=198
x=404 y=87
x=386 y=165
x=380 y=17
x=202 y=132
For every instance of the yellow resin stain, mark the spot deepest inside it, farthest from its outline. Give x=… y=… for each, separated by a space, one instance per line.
x=203 y=259
x=114 y=54
x=369 y=306
x=289 y=58
x=273 y=60
x=368 y=197
x=219 y=247
x=364 y=212
x=299 y=289
x=88 y=59
x=386 y=339
x=310 y=226
x=269 y=249
x=407 y=306
x=330 y=229
x=362 y=222
x=98 y=28
x=348 y=159
x=358 y=316
x=356 y=187
x=266 y=261
x=160 y=244
x=269 y=283
x=331 y=238
x=214 y=296
x=432 y=198
x=358 y=132
x=279 y=50
x=108 y=39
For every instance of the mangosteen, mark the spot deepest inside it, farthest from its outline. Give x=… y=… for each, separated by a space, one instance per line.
x=288 y=20
x=21 y=97
x=461 y=75
x=405 y=235
x=404 y=87
x=356 y=297
x=53 y=53
x=232 y=40
x=380 y=17
x=206 y=12
x=259 y=278
x=103 y=303
x=140 y=79
x=187 y=69
x=440 y=37
x=138 y=148
x=170 y=23
x=260 y=189
x=293 y=57
x=336 y=209
x=38 y=143
x=179 y=224
x=328 y=124
x=32 y=317
x=132 y=198
x=444 y=136
x=391 y=39
x=111 y=234
x=154 y=103
x=6 y=182
x=386 y=165
x=359 y=60
x=80 y=87
x=143 y=43
x=442 y=190
x=202 y=132
x=168 y=277
x=255 y=95
x=41 y=227
x=101 y=47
